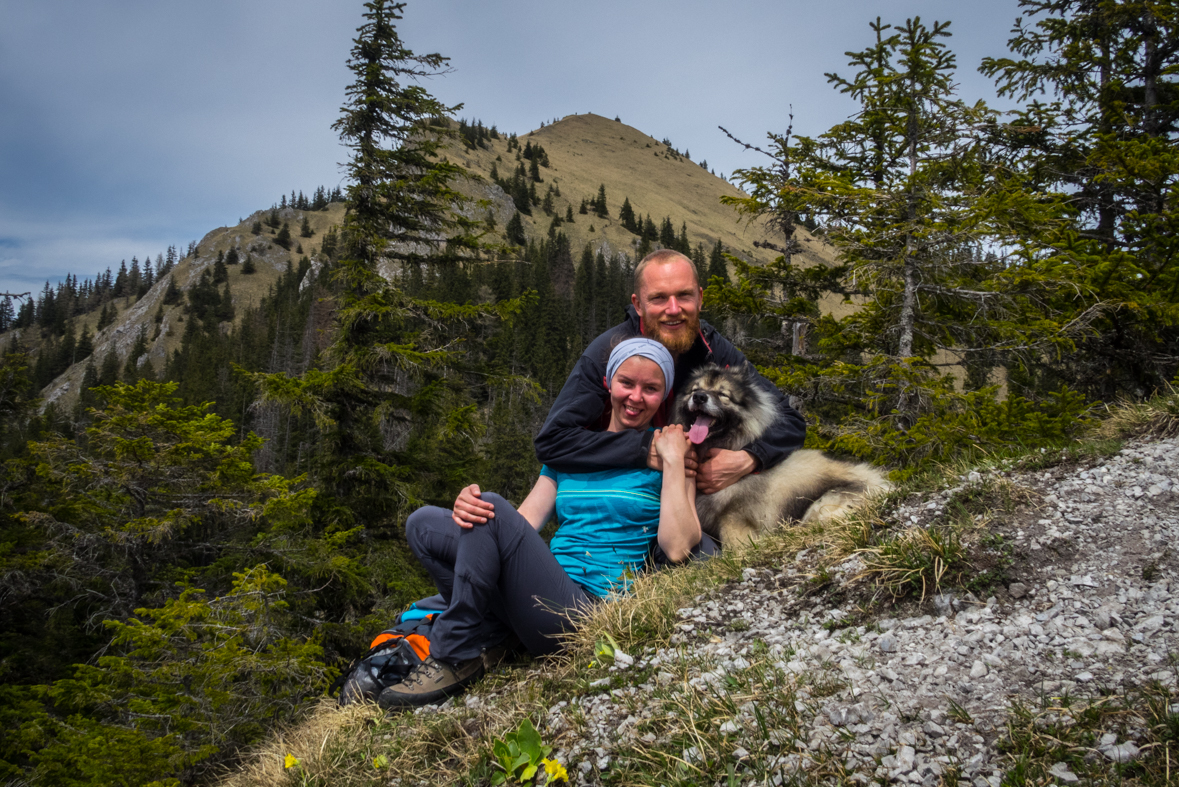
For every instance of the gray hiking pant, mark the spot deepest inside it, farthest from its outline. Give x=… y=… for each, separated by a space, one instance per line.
x=496 y=579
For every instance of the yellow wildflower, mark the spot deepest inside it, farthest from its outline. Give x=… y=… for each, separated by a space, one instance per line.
x=290 y=761
x=555 y=771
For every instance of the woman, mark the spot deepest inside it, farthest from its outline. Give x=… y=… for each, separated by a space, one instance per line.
x=498 y=576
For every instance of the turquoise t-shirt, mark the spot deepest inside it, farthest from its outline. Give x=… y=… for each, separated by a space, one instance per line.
x=608 y=521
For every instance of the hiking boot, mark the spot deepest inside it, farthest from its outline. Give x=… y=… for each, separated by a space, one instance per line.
x=492 y=657
x=431 y=681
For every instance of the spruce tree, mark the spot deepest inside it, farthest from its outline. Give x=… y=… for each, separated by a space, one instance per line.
x=107 y=315
x=908 y=190
x=515 y=230
x=667 y=234
x=305 y=230
x=1104 y=141
x=131 y=370
x=171 y=294
x=86 y=396
x=85 y=344
x=716 y=263
x=626 y=215
x=120 y=286
x=600 y=207
x=387 y=366
x=283 y=238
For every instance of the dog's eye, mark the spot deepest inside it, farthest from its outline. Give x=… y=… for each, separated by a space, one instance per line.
x=723 y=395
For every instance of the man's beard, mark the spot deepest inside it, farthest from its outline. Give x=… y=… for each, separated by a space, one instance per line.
x=677 y=342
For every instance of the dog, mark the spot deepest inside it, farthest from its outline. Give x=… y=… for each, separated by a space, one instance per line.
x=724 y=408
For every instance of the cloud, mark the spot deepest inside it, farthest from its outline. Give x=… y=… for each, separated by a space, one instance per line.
x=131 y=125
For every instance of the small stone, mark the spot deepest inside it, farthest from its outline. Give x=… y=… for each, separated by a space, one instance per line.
x=944 y=603
x=1125 y=752
x=978 y=670
x=1061 y=771
x=887 y=644
x=1113 y=635
x=728 y=728
x=1083 y=581
x=1017 y=589
x=740 y=753
x=623 y=660
x=1084 y=677
x=906 y=758
x=1150 y=624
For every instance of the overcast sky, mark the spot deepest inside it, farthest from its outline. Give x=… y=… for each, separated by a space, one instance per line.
x=130 y=125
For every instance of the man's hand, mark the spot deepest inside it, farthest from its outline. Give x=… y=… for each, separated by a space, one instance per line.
x=469 y=510
x=655 y=463
x=722 y=468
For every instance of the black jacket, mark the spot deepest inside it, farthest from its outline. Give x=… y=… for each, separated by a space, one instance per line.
x=573 y=438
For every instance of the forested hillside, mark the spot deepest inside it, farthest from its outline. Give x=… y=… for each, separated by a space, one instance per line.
x=208 y=457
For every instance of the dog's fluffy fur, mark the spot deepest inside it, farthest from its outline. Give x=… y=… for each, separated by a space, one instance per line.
x=804 y=487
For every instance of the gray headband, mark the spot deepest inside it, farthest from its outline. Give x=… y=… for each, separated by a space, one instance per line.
x=645 y=348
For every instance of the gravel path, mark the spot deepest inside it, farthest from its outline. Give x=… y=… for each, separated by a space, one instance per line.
x=777 y=681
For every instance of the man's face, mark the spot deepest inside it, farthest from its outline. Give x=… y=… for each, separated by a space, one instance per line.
x=669 y=304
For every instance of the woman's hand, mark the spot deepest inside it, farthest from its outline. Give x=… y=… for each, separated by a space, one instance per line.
x=672 y=445
x=469 y=510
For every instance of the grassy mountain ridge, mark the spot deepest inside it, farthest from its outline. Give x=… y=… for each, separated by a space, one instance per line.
x=586 y=151
x=247 y=289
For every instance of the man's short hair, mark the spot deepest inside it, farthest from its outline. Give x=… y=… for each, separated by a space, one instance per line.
x=659 y=257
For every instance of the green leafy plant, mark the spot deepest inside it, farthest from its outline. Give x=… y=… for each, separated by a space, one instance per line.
x=521 y=755
x=604 y=649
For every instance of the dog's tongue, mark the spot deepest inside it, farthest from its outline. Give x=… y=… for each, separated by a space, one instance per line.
x=699 y=430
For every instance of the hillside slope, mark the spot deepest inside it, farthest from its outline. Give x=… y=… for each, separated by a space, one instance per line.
x=588 y=151
x=1056 y=664
x=584 y=152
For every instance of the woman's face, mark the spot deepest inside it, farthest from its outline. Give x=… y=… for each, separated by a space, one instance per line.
x=635 y=393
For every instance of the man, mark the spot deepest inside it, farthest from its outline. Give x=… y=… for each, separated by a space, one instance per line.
x=665 y=306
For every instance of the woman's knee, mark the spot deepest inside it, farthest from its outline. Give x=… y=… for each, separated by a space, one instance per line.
x=508 y=524
x=423 y=523
x=495 y=500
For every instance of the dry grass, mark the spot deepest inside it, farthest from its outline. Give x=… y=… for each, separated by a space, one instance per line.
x=647 y=616
x=1157 y=417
